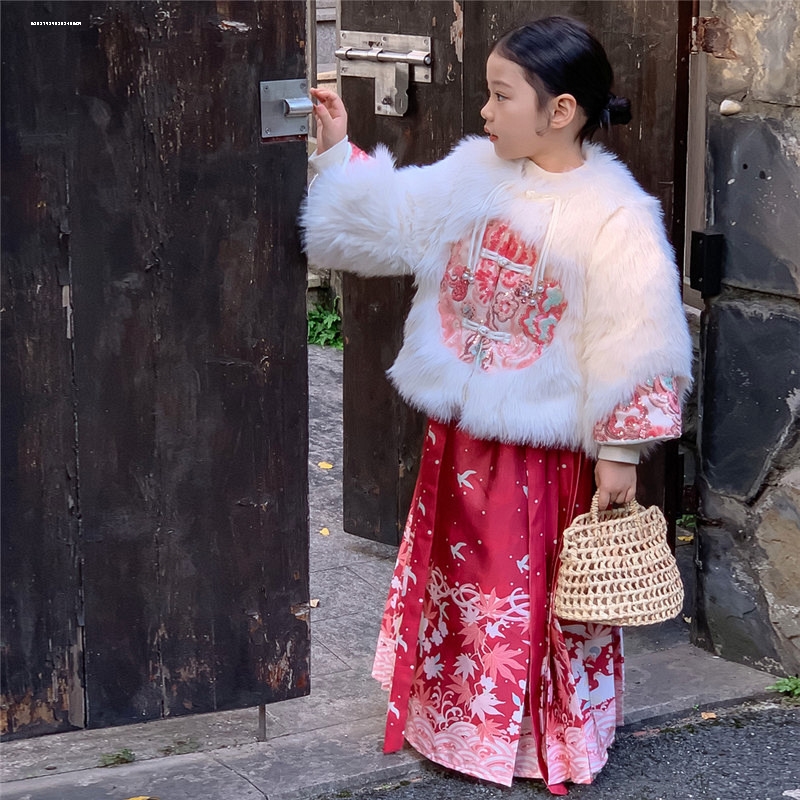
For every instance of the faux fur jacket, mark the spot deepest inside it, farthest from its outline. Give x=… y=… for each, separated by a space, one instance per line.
x=544 y=301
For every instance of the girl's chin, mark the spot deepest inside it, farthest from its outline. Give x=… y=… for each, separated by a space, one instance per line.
x=501 y=152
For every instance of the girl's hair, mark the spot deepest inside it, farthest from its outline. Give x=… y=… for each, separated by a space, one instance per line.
x=560 y=56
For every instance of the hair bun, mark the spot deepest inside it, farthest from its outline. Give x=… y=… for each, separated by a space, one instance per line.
x=618 y=110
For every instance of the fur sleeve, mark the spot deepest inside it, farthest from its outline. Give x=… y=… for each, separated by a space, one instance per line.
x=370 y=218
x=635 y=325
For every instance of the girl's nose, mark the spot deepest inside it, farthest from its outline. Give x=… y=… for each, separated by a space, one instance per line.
x=485 y=111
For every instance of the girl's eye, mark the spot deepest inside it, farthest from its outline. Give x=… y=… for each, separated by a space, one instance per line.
x=500 y=97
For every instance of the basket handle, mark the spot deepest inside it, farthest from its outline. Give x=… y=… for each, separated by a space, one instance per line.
x=630 y=508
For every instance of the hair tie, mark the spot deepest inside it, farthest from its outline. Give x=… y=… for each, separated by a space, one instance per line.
x=617 y=111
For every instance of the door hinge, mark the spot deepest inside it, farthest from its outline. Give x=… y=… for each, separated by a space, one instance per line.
x=706 y=258
x=393 y=60
x=285 y=106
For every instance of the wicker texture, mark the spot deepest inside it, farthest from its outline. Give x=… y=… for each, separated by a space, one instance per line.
x=616 y=568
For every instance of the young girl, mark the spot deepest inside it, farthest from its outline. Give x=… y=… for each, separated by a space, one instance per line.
x=546 y=337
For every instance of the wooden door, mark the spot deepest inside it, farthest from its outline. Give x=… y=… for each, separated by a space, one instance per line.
x=155 y=542
x=648 y=44
x=382 y=436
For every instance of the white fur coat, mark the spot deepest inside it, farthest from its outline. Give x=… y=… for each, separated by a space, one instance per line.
x=624 y=322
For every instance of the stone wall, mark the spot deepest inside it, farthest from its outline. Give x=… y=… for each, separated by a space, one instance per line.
x=748 y=542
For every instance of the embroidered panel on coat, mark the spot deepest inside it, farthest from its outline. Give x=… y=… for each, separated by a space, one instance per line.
x=494 y=312
x=654 y=412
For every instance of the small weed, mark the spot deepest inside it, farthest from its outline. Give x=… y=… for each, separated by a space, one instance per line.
x=787 y=686
x=123 y=756
x=687 y=522
x=325 y=327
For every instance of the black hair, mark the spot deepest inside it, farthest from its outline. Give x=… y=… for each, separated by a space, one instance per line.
x=559 y=55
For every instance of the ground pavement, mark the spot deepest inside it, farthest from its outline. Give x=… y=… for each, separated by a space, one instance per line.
x=331 y=740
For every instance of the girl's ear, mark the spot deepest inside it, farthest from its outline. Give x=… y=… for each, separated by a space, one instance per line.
x=563 y=109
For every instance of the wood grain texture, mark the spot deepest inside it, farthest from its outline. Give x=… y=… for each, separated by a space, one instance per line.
x=190 y=390
x=382 y=436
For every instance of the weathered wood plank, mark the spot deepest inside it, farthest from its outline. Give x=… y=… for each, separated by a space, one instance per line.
x=382 y=436
x=190 y=417
x=191 y=368
x=41 y=666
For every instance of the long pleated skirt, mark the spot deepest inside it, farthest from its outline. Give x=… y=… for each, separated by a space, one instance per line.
x=482 y=677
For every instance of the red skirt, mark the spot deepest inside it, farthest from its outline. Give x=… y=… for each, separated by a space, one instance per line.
x=483 y=678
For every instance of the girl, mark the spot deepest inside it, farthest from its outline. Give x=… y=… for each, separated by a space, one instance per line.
x=546 y=333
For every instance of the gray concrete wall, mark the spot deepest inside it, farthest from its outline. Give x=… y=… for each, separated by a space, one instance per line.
x=326 y=35
x=748 y=543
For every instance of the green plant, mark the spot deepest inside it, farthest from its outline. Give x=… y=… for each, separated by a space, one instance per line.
x=123 y=756
x=687 y=522
x=325 y=327
x=788 y=686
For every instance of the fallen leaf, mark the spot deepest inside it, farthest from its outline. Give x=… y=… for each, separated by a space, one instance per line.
x=686 y=538
x=793 y=793
x=647 y=733
x=325 y=465
x=143 y=797
x=314 y=602
x=708 y=715
x=325 y=532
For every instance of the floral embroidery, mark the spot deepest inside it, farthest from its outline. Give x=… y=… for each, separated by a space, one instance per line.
x=505 y=306
x=519 y=320
x=653 y=413
x=496 y=687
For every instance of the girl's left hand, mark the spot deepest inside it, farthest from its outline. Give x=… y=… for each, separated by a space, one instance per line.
x=616 y=483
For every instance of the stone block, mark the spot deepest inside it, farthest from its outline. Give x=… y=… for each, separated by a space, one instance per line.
x=729 y=602
x=756 y=45
x=778 y=536
x=754 y=182
x=776 y=53
x=751 y=391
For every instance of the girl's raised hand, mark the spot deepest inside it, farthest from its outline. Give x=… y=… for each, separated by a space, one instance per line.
x=331 y=118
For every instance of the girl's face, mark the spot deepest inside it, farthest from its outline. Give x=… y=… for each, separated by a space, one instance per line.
x=516 y=124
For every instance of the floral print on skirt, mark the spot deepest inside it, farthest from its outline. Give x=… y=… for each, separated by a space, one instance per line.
x=483 y=678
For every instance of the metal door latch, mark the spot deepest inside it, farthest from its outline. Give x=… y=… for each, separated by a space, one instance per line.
x=391 y=59
x=285 y=106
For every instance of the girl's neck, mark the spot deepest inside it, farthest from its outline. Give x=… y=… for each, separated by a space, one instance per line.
x=563 y=158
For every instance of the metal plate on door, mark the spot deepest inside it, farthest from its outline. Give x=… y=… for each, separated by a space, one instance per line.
x=285 y=106
x=392 y=60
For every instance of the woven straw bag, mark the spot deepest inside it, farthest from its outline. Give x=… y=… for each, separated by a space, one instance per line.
x=616 y=568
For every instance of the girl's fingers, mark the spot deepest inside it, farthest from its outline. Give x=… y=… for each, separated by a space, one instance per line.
x=325 y=96
x=322 y=113
x=330 y=100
